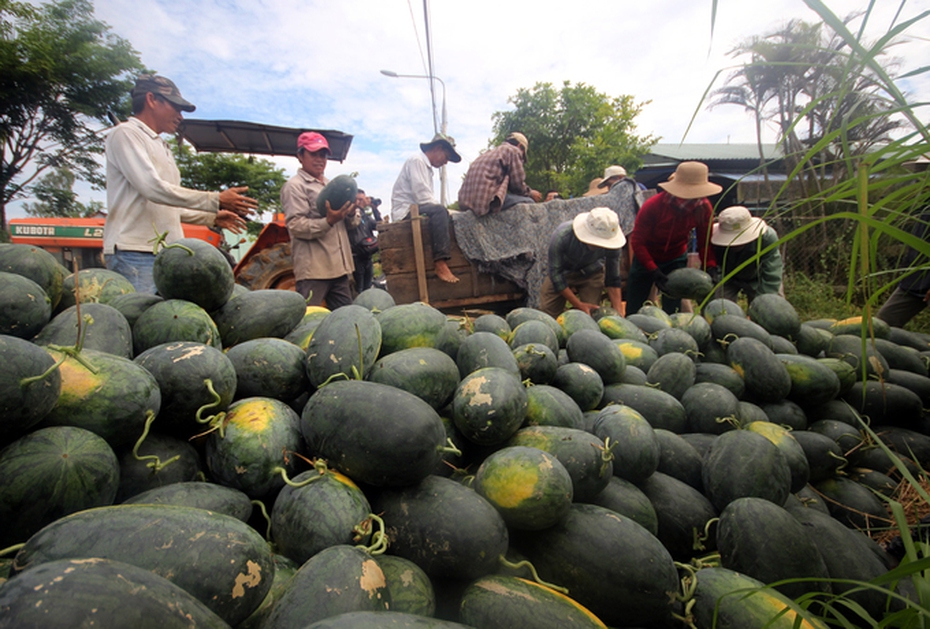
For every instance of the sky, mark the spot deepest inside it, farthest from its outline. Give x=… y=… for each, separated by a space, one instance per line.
x=317 y=63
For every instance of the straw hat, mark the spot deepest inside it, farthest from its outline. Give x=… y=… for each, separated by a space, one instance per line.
x=736 y=226
x=594 y=188
x=690 y=182
x=599 y=227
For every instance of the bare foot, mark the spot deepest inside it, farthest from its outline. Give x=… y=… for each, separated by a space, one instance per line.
x=443 y=272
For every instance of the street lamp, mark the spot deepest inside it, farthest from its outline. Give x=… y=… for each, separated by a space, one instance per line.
x=442 y=128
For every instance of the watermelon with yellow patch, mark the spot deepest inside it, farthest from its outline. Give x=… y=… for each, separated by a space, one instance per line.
x=529 y=487
x=730 y=600
x=503 y=602
x=258 y=438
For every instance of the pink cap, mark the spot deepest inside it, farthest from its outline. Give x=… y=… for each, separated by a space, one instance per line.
x=313 y=142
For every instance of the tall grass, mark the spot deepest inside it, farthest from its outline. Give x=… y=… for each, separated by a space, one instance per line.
x=874 y=201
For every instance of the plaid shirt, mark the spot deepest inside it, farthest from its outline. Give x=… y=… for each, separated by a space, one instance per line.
x=490 y=177
x=567 y=254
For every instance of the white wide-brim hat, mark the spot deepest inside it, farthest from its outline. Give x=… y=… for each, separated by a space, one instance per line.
x=916 y=165
x=690 y=182
x=599 y=227
x=736 y=226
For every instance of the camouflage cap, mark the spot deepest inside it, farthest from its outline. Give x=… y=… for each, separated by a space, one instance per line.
x=162 y=86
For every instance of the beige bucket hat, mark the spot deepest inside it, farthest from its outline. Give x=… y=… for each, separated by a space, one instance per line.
x=594 y=188
x=690 y=182
x=736 y=226
x=599 y=227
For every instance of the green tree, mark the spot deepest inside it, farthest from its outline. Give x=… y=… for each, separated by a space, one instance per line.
x=218 y=171
x=574 y=133
x=61 y=70
x=56 y=197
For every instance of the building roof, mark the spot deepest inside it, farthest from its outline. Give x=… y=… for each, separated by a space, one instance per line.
x=673 y=153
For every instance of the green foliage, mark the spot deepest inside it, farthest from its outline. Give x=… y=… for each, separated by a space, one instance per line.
x=60 y=71
x=218 y=171
x=574 y=133
x=56 y=197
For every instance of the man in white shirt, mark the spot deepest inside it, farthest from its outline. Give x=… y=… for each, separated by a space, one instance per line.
x=414 y=186
x=144 y=195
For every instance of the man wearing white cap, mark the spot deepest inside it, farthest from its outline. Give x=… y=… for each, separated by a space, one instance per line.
x=737 y=237
x=584 y=258
x=663 y=230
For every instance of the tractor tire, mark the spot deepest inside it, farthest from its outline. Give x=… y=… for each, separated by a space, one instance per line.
x=271 y=268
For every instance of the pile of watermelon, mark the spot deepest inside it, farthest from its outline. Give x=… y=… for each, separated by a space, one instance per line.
x=218 y=457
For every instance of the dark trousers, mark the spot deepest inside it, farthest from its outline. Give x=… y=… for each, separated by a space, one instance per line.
x=639 y=283
x=364 y=273
x=335 y=292
x=901 y=307
x=438 y=225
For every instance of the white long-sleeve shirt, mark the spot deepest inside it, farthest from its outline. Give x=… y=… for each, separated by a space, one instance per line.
x=144 y=195
x=414 y=185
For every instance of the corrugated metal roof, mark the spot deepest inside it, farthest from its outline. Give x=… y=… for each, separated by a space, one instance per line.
x=684 y=152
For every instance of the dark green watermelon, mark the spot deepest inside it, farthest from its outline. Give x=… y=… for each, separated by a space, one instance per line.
x=171 y=321
x=101 y=326
x=193 y=270
x=25 y=308
x=37 y=264
x=29 y=386
x=258 y=314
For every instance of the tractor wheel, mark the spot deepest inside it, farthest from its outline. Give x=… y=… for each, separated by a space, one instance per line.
x=271 y=268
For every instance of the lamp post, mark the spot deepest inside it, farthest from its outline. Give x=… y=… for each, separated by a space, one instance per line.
x=442 y=127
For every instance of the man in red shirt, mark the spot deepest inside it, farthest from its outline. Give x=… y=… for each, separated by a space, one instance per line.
x=662 y=231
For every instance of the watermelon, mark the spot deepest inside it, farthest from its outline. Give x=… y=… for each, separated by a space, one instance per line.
x=581 y=382
x=596 y=350
x=537 y=363
x=765 y=375
x=340 y=190
x=695 y=325
x=682 y=514
x=679 y=459
x=426 y=372
x=857 y=325
x=550 y=406
x=373 y=433
x=724 y=375
x=489 y=405
x=375 y=299
x=776 y=314
x=258 y=314
x=717 y=307
x=105 y=394
x=315 y=511
x=191 y=376
x=193 y=270
x=284 y=571
x=485 y=349
x=346 y=342
x=29 y=386
x=410 y=325
x=218 y=559
x=659 y=408
x=529 y=487
x=794 y=453
x=573 y=321
x=383 y=620
x=100 y=592
x=445 y=528
x=199 y=495
x=256 y=440
x=673 y=373
x=518 y=315
x=628 y=500
x=534 y=331
x=132 y=305
x=710 y=408
x=410 y=588
x=504 y=602
x=38 y=265
x=610 y=564
x=689 y=283
x=269 y=367
x=731 y=600
x=742 y=464
x=617 y=327
x=584 y=455
x=495 y=324
x=762 y=540
x=94 y=286
x=51 y=473
x=158 y=461
x=101 y=327
x=631 y=440
x=25 y=308
x=171 y=321
x=637 y=353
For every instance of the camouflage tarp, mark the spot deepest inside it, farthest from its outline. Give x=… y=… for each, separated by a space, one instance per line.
x=514 y=244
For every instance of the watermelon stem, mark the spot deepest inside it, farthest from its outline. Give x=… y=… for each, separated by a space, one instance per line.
x=450 y=448
x=526 y=564
x=283 y=472
x=607 y=454
x=25 y=382
x=379 y=537
x=75 y=353
x=9 y=550
x=261 y=507
x=216 y=422
x=700 y=538
x=155 y=463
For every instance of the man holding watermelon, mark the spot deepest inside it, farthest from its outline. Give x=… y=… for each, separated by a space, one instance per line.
x=320 y=244
x=144 y=195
